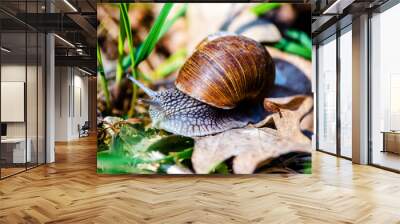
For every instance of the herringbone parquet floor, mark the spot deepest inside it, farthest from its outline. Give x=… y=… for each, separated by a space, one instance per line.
x=70 y=191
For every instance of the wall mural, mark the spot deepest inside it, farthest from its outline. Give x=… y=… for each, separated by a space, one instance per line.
x=204 y=88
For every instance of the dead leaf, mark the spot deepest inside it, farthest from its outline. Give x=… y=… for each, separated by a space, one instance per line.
x=254 y=147
x=112 y=120
x=178 y=169
x=300 y=104
x=288 y=102
x=288 y=125
x=251 y=147
x=249 y=25
x=307 y=123
x=271 y=107
x=133 y=120
x=287 y=122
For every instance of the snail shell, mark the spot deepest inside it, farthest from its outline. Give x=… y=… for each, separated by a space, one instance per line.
x=225 y=70
x=217 y=89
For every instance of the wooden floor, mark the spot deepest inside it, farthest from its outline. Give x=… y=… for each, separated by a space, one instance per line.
x=387 y=159
x=10 y=171
x=70 y=191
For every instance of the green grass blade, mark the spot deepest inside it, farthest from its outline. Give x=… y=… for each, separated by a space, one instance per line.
x=121 y=42
x=102 y=78
x=262 y=8
x=168 y=24
x=171 y=64
x=293 y=48
x=151 y=40
x=128 y=30
x=175 y=157
x=222 y=168
x=300 y=37
x=132 y=50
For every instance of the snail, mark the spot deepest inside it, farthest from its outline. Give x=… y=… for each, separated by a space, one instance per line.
x=219 y=87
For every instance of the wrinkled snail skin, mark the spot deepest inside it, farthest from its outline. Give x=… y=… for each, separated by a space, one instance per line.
x=181 y=114
x=220 y=87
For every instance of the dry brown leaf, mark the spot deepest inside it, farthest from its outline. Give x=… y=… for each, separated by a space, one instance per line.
x=262 y=32
x=178 y=169
x=300 y=104
x=288 y=125
x=271 y=107
x=104 y=14
x=251 y=147
x=288 y=102
x=287 y=122
x=307 y=123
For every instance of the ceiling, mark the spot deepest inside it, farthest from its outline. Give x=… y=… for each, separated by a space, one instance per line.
x=331 y=15
x=74 y=22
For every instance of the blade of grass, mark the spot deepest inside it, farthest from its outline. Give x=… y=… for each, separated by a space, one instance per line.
x=151 y=40
x=102 y=78
x=131 y=111
x=293 y=48
x=111 y=163
x=171 y=64
x=128 y=29
x=168 y=24
x=132 y=50
x=121 y=42
x=222 y=168
x=175 y=157
x=263 y=8
x=300 y=37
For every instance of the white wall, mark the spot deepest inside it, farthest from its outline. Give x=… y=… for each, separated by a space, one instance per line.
x=61 y=103
x=33 y=127
x=71 y=94
x=12 y=73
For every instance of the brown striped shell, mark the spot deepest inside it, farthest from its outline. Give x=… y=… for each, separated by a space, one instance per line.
x=226 y=69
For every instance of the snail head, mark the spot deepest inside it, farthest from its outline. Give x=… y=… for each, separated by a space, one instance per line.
x=157 y=111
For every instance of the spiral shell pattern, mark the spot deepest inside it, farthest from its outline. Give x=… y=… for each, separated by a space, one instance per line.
x=223 y=71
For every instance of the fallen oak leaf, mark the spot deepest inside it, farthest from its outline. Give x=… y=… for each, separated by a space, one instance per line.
x=288 y=125
x=307 y=123
x=288 y=122
x=288 y=102
x=178 y=169
x=251 y=147
x=300 y=103
x=133 y=120
x=271 y=107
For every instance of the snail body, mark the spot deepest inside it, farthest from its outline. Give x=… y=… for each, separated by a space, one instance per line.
x=218 y=88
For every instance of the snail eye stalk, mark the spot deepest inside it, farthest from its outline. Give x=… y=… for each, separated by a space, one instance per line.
x=150 y=102
x=147 y=90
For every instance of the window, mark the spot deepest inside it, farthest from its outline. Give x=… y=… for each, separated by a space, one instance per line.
x=385 y=89
x=22 y=101
x=346 y=92
x=327 y=96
